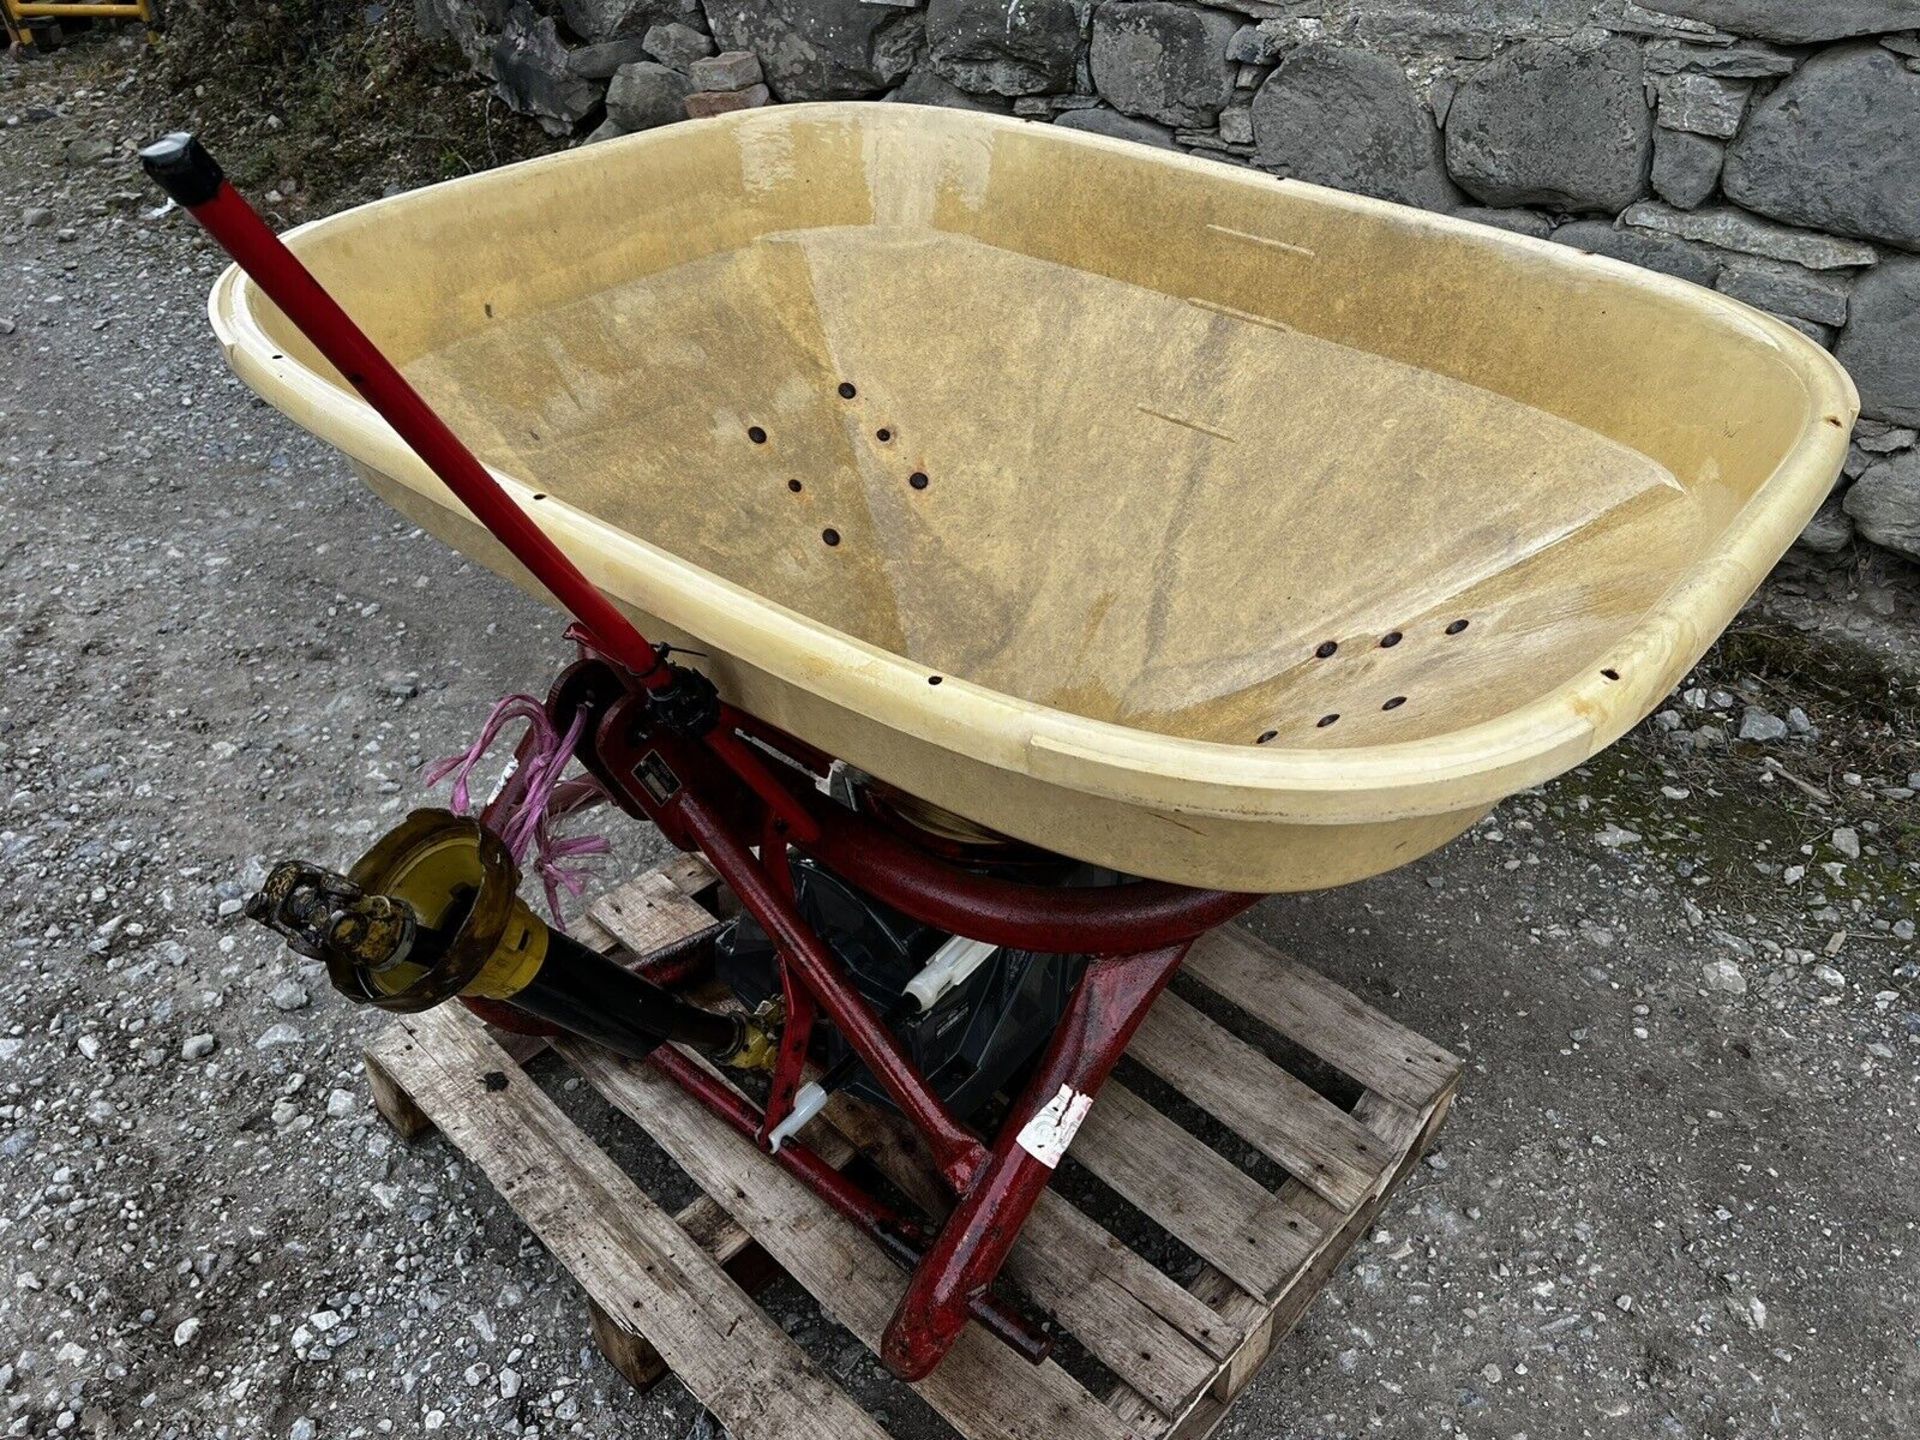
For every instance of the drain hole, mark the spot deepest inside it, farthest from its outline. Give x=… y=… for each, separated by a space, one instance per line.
x=883 y=436
x=1391 y=639
x=540 y=496
x=831 y=536
x=918 y=479
x=1267 y=735
x=1395 y=703
x=1327 y=647
x=1611 y=674
x=1325 y=720
x=934 y=679
x=847 y=392
x=756 y=435
x=795 y=486
x=1456 y=627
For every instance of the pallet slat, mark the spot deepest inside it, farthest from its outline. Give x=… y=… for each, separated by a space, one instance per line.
x=1153 y=1333
x=1189 y=1190
x=1130 y=1317
x=1320 y=1145
x=983 y=1389
x=1403 y=1133
x=652 y=916
x=1320 y=1017
x=639 y=1267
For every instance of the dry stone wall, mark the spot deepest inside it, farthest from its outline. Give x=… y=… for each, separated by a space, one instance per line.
x=1767 y=148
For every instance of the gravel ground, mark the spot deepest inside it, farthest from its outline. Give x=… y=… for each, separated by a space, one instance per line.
x=1676 y=1198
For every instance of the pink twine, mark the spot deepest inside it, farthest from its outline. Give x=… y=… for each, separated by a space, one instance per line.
x=532 y=795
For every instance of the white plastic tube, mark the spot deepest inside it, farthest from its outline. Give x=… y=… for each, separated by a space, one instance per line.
x=808 y=1101
x=951 y=964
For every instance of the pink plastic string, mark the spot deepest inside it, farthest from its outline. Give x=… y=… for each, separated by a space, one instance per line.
x=532 y=795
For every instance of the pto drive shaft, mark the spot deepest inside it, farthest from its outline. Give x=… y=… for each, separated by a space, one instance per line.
x=433 y=911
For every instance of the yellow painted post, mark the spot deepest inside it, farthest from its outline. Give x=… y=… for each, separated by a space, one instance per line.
x=45 y=11
x=18 y=14
x=19 y=37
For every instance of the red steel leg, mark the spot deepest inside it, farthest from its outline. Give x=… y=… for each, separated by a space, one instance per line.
x=1113 y=997
x=797 y=1033
x=898 y=1236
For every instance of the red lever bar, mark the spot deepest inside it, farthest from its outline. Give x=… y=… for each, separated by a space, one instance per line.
x=183 y=168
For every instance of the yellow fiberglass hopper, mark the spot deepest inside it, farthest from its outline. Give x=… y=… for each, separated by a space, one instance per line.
x=1218 y=529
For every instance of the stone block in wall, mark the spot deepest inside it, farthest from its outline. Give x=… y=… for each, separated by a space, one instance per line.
x=676 y=45
x=729 y=70
x=1102 y=121
x=998 y=48
x=1163 y=61
x=1462 y=29
x=1790 y=291
x=531 y=68
x=1629 y=18
x=1836 y=147
x=600 y=62
x=597 y=20
x=1877 y=437
x=1798 y=22
x=647 y=94
x=1884 y=504
x=704 y=103
x=1821 y=335
x=1045 y=107
x=1211 y=145
x=1520 y=222
x=1732 y=229
x=821 y=49
x=1665 y=253
x=1268 y=41
x=1349 y=118
x=1746 y=60
x=923 y=87
x=471 y=27
x=1829 y=532
x=1553 y=124
x=1881 y=344
x=1236 y=125
x=1686 y=167
x=1701 y=104
x=1278 y=9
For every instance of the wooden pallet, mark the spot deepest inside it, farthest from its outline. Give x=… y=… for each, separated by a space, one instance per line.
x=674 y=1291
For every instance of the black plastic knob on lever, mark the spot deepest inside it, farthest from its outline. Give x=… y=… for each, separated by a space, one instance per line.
x=688 y=704
x=180 y=165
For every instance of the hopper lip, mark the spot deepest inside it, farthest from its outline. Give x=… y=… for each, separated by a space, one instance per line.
x=1475 y=765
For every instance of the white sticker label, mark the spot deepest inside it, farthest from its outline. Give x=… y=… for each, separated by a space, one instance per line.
x=1047 y=1135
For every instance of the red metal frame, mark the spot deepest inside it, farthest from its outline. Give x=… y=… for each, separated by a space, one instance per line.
x=717 y=793
x=900 y=1237
x=1113 y=997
